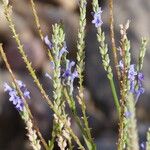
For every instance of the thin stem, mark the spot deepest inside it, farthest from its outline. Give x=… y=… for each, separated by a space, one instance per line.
x=112 y=35
x=116 y=101
x=36 y=19
x=37 y=22
x=70 y=102
x=88 y=137
x=106 y=64
x=81 y=66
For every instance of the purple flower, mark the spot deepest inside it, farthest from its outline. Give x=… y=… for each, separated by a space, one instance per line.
x=138 y=92
x=68 y=71
x=7 y=88
x=14 y=98
x=139 y=89
x=143 y=146
x=20 y=84
x=132 y=73
x=20 y=105
x=70 y=75
x=135 y=79
x=66 y=74
x=74 y=75
x=52 y=65
x=97 y=18
x=26 y=94
x=63 y=50
x=140 y=76
x=128 y=114
x=48 y=42
x=23 y=88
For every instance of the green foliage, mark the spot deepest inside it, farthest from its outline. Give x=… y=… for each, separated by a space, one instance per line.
x=63 y=90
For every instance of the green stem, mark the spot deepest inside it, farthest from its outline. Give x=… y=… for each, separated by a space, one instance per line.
x=86 y=133
x=114 y=93
x=71 y=104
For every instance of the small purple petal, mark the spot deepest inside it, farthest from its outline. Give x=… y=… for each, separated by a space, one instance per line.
x=97 y=18
x=62 y=51
x=48 y=76
x=48 y=42
x=140 y=76
x=14 y=98
x=135 y=79
x=74 y=75
x=26 y=94
x=69 y=75
x=20 y=106
x=20 y=84
x=68 y=71
x=7 y=88
x=66 y=74
x=71 y=64
x=52 y=65
x=139 y=92
x=128 y=114
x=132 y=73
x=12 y=92
x=143 y=145
x=121 y=65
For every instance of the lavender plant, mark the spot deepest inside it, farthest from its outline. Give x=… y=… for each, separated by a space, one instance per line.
x=65 y=71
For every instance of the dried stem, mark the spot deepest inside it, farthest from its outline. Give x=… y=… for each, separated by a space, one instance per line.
x=37 y=22
x=112 y=35
x=36 y=19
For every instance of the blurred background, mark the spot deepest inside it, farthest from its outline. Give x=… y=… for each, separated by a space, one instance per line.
x=100 y=107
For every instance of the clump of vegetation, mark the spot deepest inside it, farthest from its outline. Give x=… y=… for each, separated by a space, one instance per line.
x=130 y=78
